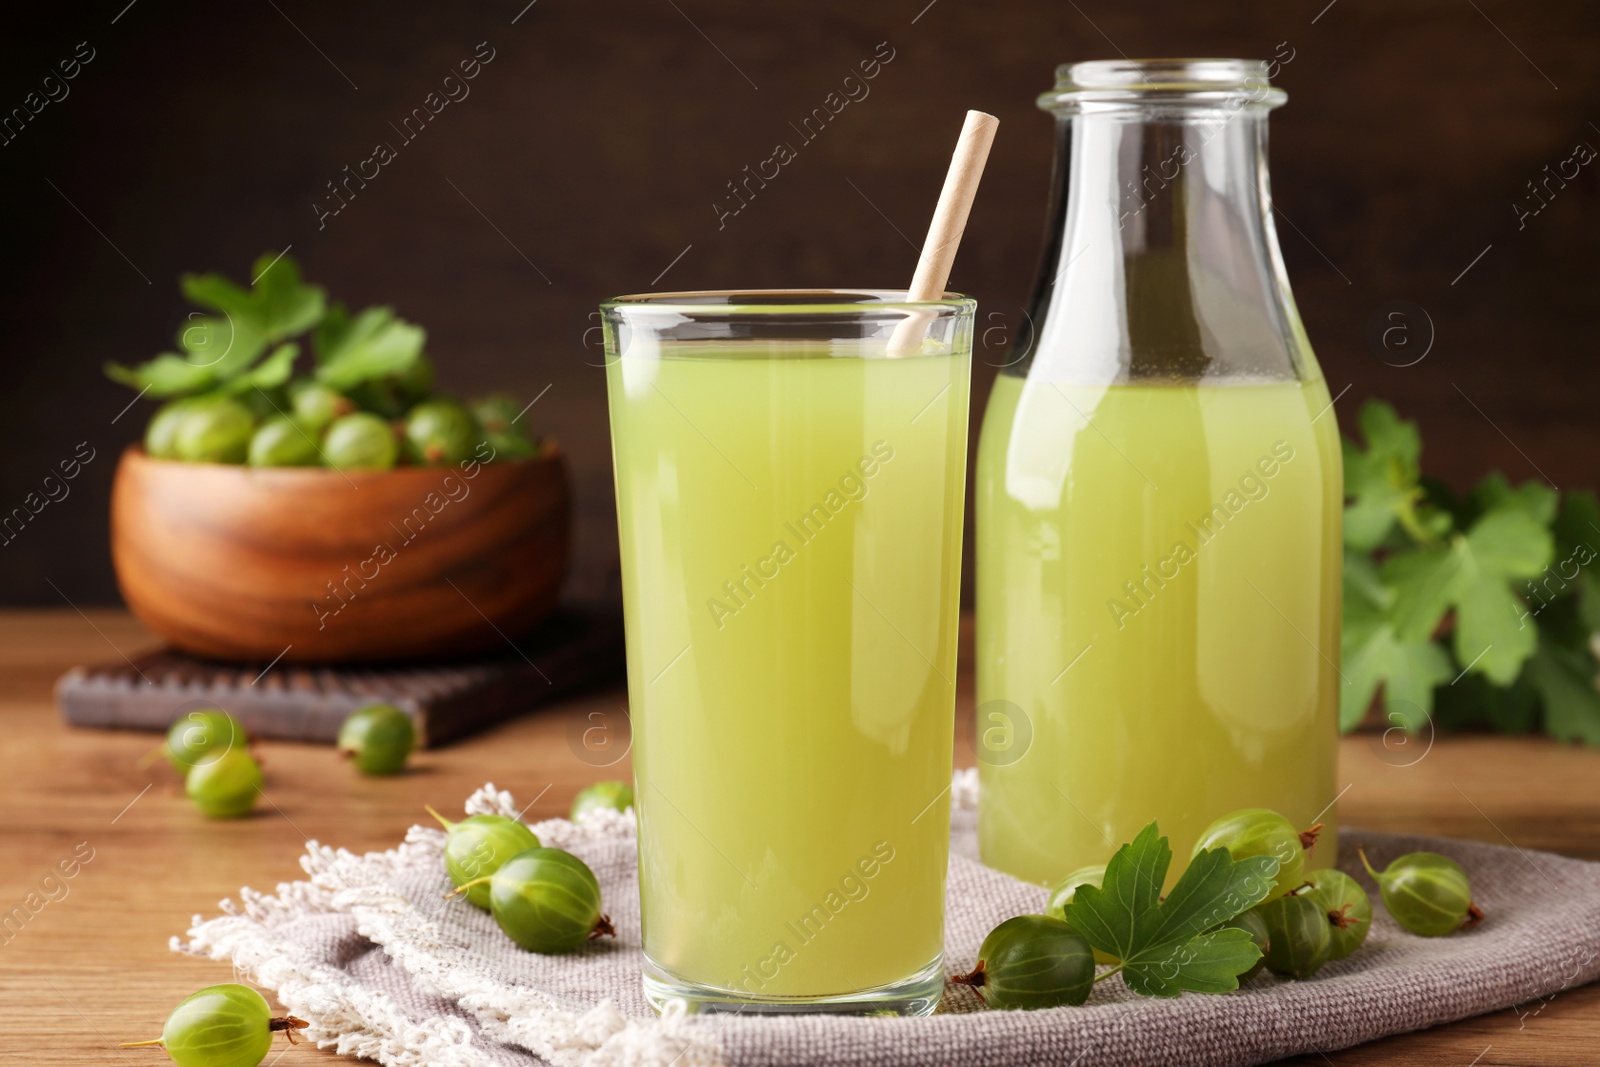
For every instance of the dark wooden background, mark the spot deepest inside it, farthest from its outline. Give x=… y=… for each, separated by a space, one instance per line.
x=590 y=152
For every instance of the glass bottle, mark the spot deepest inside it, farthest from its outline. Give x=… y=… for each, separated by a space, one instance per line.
x=1159 y=493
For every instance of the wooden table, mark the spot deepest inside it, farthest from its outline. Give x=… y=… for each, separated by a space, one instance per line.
x=92 y=968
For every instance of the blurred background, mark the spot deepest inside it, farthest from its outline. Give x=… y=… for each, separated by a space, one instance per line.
x=591 y=156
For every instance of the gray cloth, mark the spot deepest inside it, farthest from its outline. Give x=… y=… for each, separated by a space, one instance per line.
x=382 y=966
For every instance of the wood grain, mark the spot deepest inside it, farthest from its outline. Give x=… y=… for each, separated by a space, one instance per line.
x=92 y=968
x=315 y=565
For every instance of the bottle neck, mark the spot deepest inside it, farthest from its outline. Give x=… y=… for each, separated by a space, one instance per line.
x=1164 y=263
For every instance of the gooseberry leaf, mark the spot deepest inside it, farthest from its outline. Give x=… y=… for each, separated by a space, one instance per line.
x=1535 y=499
x=1169 y=946
x=278 y=304
x=1382 y=479
x=1379 y=660
x=1565 y=681
x=270 y=372
x=374 y=344
x=1206 y=963
x=166 y=375
x=1495 y=632
x=1471 y=573
x=284 y=304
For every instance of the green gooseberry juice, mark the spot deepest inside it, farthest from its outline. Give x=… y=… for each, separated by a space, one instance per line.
x=789 y=495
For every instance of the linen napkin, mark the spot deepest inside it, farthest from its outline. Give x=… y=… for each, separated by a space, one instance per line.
x=382 y=966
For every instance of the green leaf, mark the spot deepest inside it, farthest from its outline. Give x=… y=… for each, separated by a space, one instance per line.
x=221 y=348
x=1206 y=963
x=228 y=346
x=373 y=344
x=270 y=372
x=1565 y=681
x=330 y=332
x=217 y=293
x=1382 y=480
x=278 y=305
x=166 y=375
x=1535 y=499
x=1495 y=632
x=1425 y=582
x=1472 y=573
x=1375 y=655
x=285 y=306
x=1169 y=946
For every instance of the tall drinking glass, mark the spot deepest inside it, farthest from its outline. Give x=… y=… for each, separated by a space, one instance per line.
x=789 y=497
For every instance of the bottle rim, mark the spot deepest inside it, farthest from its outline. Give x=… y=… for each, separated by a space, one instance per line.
x=1233 y=83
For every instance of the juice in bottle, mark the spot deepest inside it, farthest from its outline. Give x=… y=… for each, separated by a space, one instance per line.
x=1159 y=493
x=1157 y=583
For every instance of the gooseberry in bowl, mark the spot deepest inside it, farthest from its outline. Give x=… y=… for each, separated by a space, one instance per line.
x=360 y=441
x=440 y=432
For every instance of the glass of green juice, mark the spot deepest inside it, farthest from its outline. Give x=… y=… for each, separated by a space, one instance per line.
x=789 y=499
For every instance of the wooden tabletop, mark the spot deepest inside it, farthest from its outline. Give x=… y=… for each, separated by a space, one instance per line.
x=92 y=967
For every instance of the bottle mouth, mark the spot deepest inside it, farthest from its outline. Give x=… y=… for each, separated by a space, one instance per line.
x=1232 y=83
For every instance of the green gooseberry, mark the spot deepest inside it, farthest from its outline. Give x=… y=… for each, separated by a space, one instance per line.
x=497 y=413
x=221 y=1026
x=317 y=405
x=1347 y=906
x=1299 y=937
x=378 y=739
x=440 y=432
x=1067 y=888
x=1262 y=832
x=1254 y=925
x=224 y=786
x=546 y=900
x=360 y=441
x=217 y=431
x=608 y=796
x=283 y=441
x=511 y=446
x=1426 y=893
x=201 y=734
x=1032 y=961
x=161 y=435
x=479 y=845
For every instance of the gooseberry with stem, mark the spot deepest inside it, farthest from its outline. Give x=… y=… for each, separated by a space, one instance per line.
x=1347 y=906
x=1426 y=893
x=479 y=845
x=1030 y=962
x=222 y=1026
x=1262 y=832
x=546 y=900
x=1299 y=937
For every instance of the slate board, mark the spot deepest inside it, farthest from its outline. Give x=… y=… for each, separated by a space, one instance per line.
x=573 y=648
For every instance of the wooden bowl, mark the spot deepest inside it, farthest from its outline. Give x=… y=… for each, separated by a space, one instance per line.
x=316 y=565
